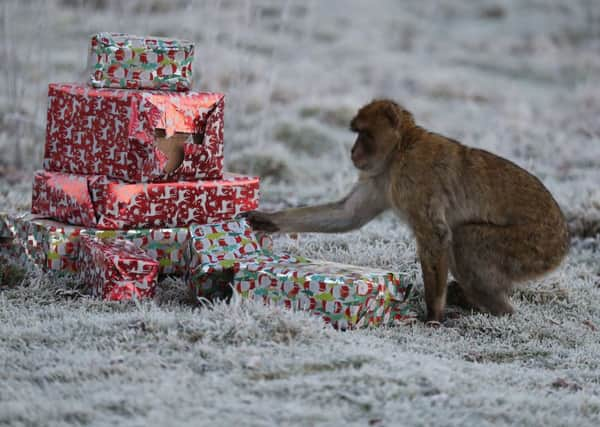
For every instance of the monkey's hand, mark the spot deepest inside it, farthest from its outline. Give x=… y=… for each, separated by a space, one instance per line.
x=261 y=221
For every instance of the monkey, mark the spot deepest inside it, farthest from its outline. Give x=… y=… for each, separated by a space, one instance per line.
x=487 y=221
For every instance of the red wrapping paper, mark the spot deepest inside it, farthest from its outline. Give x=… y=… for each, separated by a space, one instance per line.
x=112 y=132
x=98 y=202
x=116 y=269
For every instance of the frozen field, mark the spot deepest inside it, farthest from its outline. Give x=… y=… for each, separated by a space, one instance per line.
x=519 y=78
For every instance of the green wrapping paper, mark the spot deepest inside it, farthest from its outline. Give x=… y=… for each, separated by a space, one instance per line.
x=346 y=296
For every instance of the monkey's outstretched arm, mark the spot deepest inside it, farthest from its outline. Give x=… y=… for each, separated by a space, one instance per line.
x=362 y=204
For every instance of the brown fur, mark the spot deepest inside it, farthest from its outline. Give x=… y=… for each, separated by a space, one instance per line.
x=481 y=217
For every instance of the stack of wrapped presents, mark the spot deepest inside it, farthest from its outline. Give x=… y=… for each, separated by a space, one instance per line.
x=133 y=188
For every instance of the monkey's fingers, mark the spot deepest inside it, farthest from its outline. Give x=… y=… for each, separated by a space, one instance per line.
x=260 y=221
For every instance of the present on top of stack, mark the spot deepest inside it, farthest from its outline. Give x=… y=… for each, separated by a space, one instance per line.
x=133 y=187
x=132 y=62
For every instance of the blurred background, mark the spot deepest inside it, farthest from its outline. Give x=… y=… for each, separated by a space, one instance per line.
x=518 y=77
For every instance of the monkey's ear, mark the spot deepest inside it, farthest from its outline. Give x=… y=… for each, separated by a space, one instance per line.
x=393 y=114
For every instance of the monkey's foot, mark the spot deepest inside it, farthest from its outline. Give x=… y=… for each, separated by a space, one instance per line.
x=456 y=297
x=433 y=324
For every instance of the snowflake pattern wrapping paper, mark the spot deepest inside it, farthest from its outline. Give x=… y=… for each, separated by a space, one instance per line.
x=116 y=269
x=346 y=296
x=113 y=132
x=133 y=62
x=98 y=202
x=55 y=246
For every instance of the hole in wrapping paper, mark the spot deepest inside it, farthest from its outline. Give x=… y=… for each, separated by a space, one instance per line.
x=220 y=285
x=172 y=147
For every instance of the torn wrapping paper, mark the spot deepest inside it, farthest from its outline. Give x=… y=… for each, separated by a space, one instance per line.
x=98 y=202
x=136 y=136
x=116 y=269
x=343 y=295
x=133 y=62
x=55 y=246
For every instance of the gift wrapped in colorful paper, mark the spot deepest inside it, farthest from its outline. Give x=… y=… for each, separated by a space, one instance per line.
x=134 y=135
x=343 y=295
x=116 y=269
x=134 y=62
x=55 y=246
x=98 y=202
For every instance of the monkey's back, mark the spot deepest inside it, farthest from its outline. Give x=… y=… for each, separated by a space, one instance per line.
x=483 y=187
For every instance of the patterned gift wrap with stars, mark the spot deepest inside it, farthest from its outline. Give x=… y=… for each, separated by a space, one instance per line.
x=132 y=62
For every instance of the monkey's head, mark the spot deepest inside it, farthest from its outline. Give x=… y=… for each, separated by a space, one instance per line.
x=379 y=125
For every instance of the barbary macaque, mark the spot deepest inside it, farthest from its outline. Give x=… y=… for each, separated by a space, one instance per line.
x=488 y=221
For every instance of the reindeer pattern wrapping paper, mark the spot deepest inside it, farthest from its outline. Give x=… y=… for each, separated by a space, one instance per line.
x=113 y=132
x=98 y=202
x=116 y=269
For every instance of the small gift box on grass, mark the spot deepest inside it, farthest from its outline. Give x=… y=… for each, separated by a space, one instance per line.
x=116 y=269
x=346 y=296
x=133 y=62
x=98 y=202
x=134 y=135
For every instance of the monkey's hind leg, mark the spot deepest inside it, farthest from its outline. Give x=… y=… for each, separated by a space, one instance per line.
x=455 y=296
x=476 y=261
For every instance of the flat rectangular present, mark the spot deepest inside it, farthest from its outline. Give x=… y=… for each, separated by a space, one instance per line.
x=132 y=62
x=116 y=269
x=345 y=296
x=98 y=202
x=134 y=135
x=55 y=246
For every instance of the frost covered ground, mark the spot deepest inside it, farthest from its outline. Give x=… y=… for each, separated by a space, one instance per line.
x=520 y=78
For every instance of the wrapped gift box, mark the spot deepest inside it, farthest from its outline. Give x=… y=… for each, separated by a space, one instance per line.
x=133 y=135
x=98 y=202
x=133 y=62
x=55 y=246
x=116 y=269
x=343 y=295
